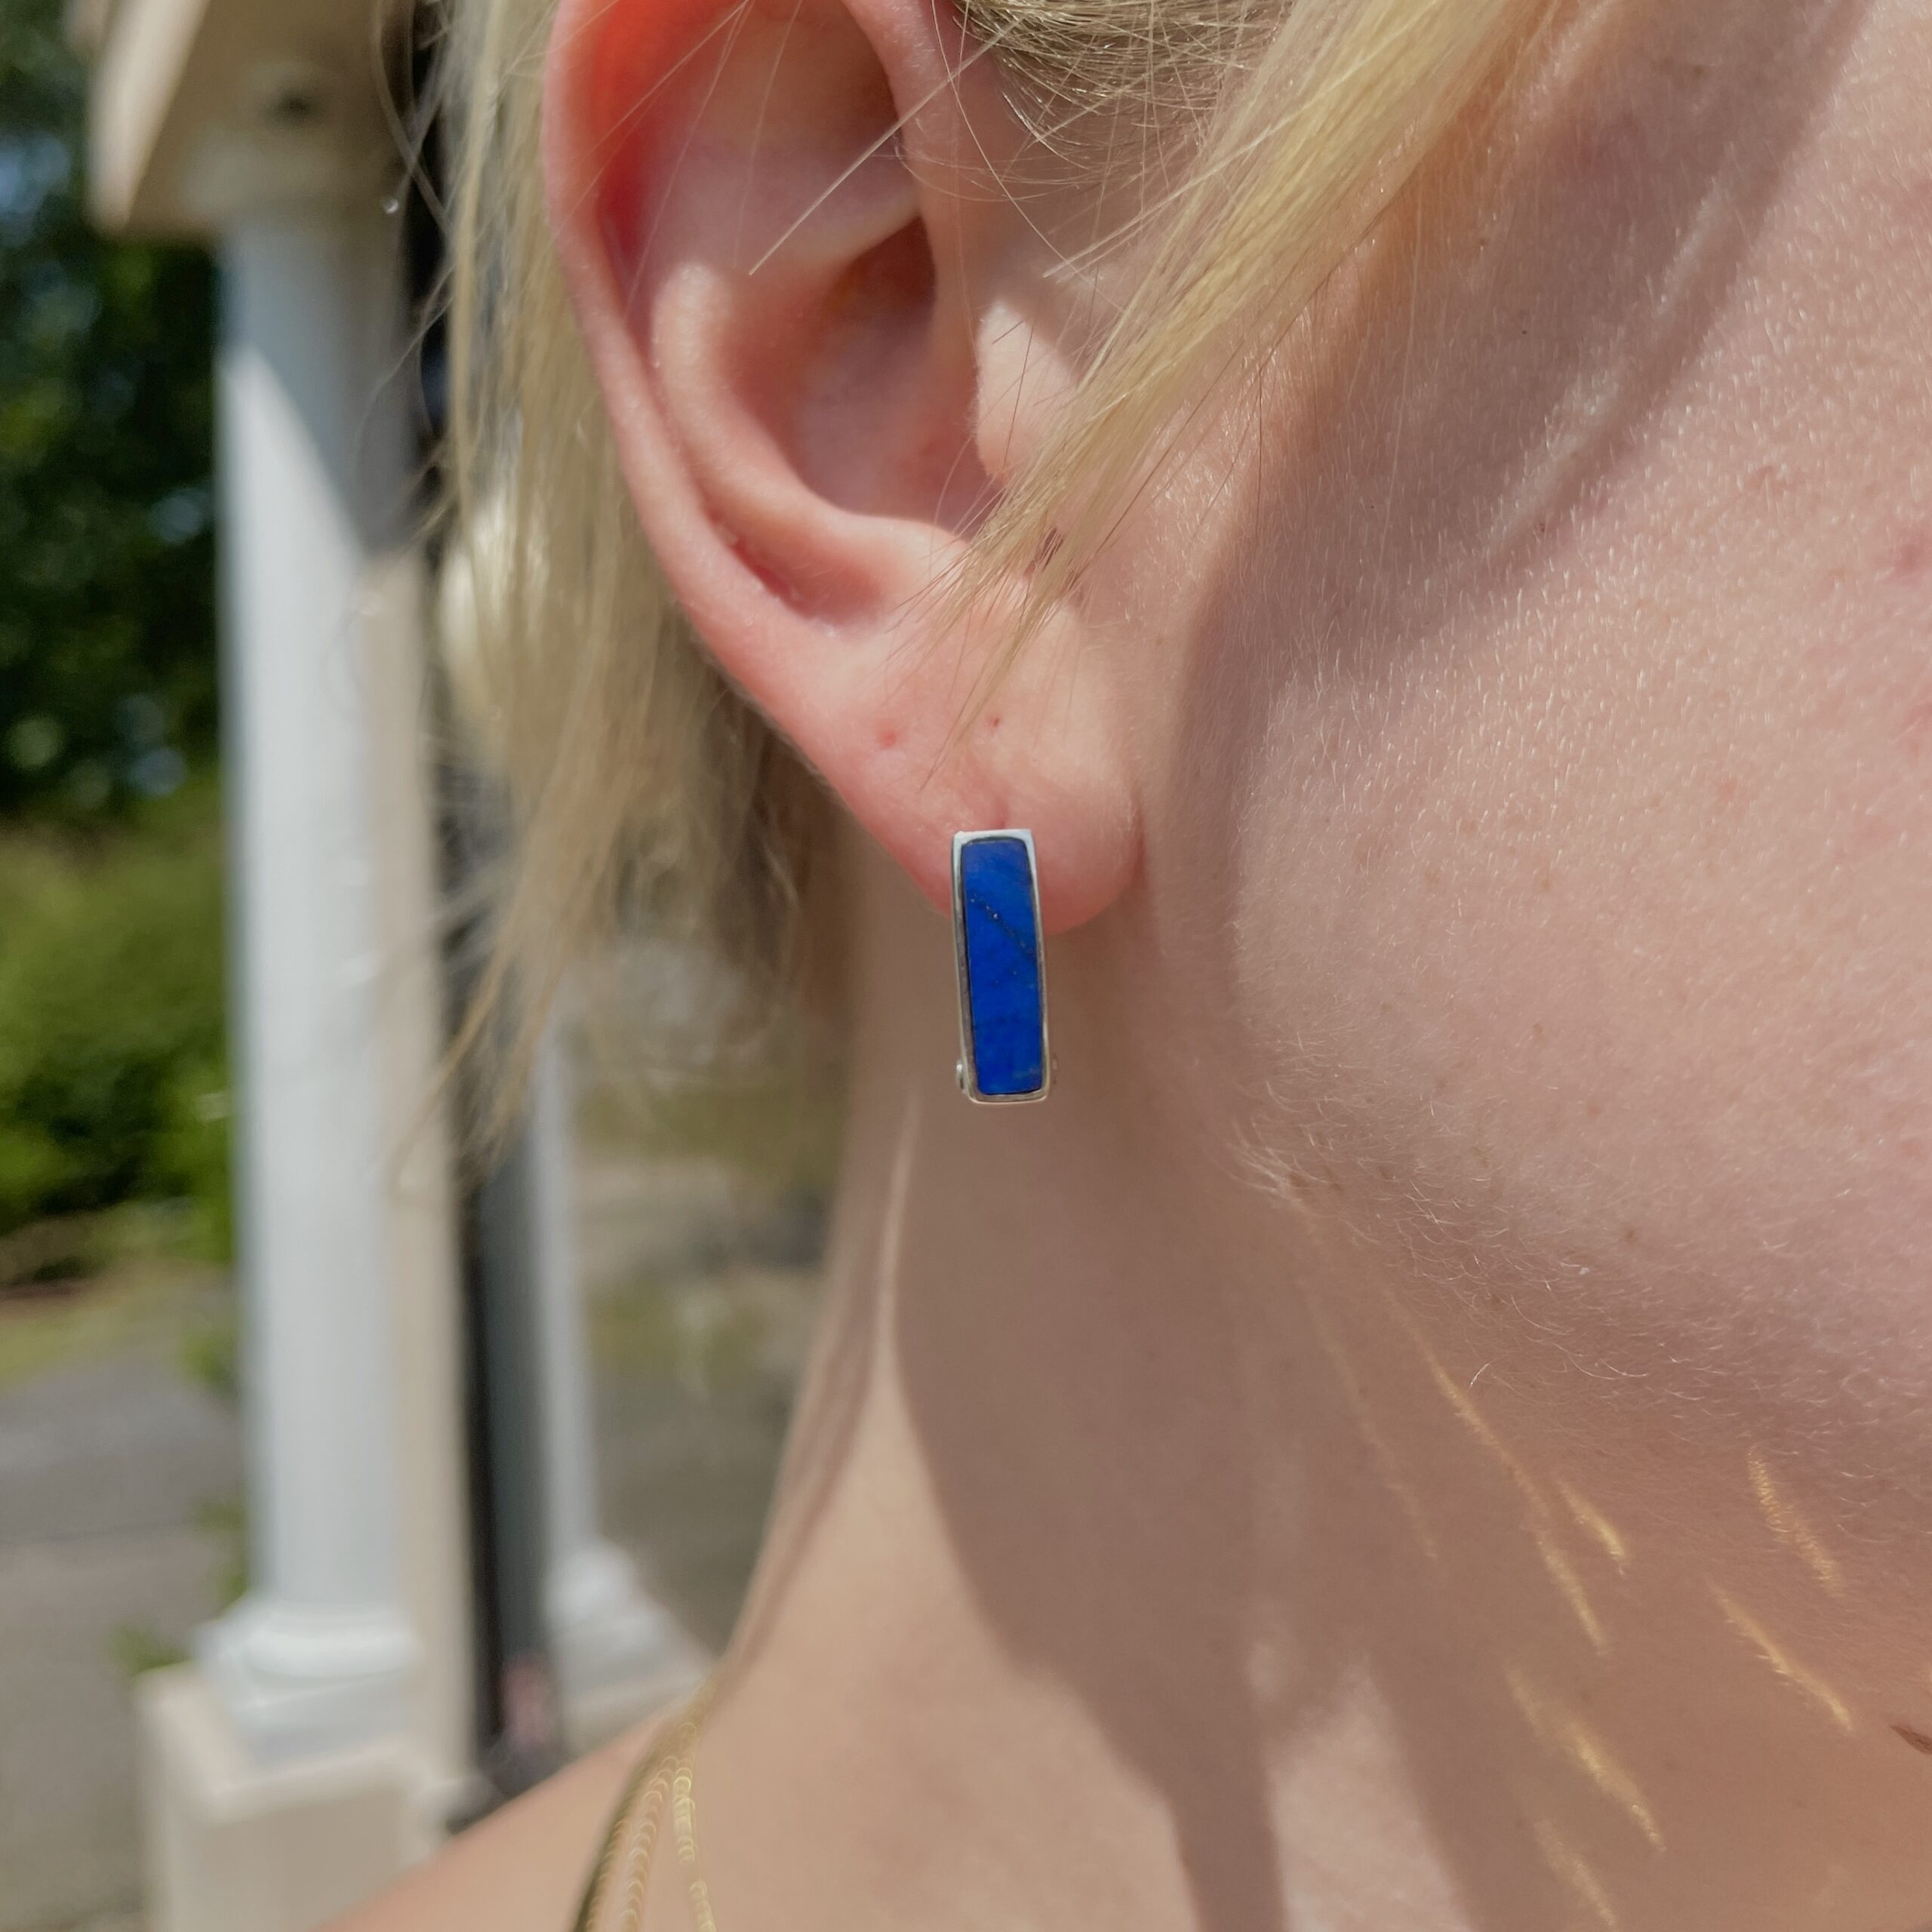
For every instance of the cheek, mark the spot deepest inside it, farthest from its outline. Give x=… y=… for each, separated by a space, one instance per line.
x=1603 y=976
x=1569 y=1018
x=1543 y=881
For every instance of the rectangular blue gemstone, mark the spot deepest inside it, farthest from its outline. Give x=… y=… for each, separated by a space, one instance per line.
x=1005 y=991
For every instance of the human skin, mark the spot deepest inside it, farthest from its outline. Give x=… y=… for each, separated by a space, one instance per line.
x=1426 y=1430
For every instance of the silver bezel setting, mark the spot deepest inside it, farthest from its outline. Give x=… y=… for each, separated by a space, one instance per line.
x=968 y=1071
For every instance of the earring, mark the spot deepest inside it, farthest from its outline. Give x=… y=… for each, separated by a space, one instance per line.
x=1001 y=947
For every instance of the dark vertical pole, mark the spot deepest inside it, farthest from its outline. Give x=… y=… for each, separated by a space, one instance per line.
x=526 y=1747
x=517 y=1727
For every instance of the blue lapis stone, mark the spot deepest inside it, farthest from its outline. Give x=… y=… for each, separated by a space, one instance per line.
x=1005 y=989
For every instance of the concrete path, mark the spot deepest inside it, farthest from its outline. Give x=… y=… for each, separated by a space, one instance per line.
x=115 y=1468
x=112 y=1466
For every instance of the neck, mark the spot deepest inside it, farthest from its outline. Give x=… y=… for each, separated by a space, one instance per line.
x=1007 y=1662
x=1115 y=1581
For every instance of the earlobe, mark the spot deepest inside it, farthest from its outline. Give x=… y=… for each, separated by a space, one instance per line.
x=787 y=252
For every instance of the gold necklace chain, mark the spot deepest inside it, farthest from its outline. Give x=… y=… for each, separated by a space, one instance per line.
x=665 y=1782
x=684 y=1822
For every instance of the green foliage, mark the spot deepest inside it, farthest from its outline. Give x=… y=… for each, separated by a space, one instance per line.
x=138 y=1648
x=210 y=1353
x=107 y=661
x=112 y=1080
x=226 y=1522
x=190 y=1154
x=111 y=1086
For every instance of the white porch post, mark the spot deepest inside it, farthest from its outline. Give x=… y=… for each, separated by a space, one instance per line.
x=321 y=1651
x=314 y=1752
x=619 y=1655
x=319 y=1743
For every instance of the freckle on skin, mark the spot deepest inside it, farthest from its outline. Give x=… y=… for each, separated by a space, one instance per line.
x=1913 y=557
x=1609 y=148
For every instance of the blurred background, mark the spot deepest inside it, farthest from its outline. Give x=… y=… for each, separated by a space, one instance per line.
x=347 y=1485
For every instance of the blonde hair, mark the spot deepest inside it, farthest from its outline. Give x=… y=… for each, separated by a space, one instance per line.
x=640 y=781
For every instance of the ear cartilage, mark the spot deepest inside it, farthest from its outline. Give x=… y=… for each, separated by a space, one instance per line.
x=1006 y=1058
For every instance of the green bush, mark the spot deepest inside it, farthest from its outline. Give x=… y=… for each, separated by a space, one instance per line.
x=107 y=656
x=112 y=1086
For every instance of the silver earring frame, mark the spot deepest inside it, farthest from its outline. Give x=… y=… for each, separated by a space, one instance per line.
x=967 y=1070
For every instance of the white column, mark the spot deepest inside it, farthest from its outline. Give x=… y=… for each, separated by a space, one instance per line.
x=313 y=470
x=620 y=1654
x=319 y=1748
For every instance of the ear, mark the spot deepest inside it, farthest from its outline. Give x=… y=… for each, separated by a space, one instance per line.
x=825 y=333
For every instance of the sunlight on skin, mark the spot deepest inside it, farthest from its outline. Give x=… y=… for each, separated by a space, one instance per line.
x=1560 y=1729
x=1405 y=1491
x=1471 y=1414
x=1590 y=1560
x=1542 y=1528
x=1781 y=1660
x=1570 y=1586
x=1786 y=1519
x=1575 y=1871
x=1788 y=1525
x=1556 y=1726
x=1598 y=1525
x=1587 y=1557
x=1541 y=1525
